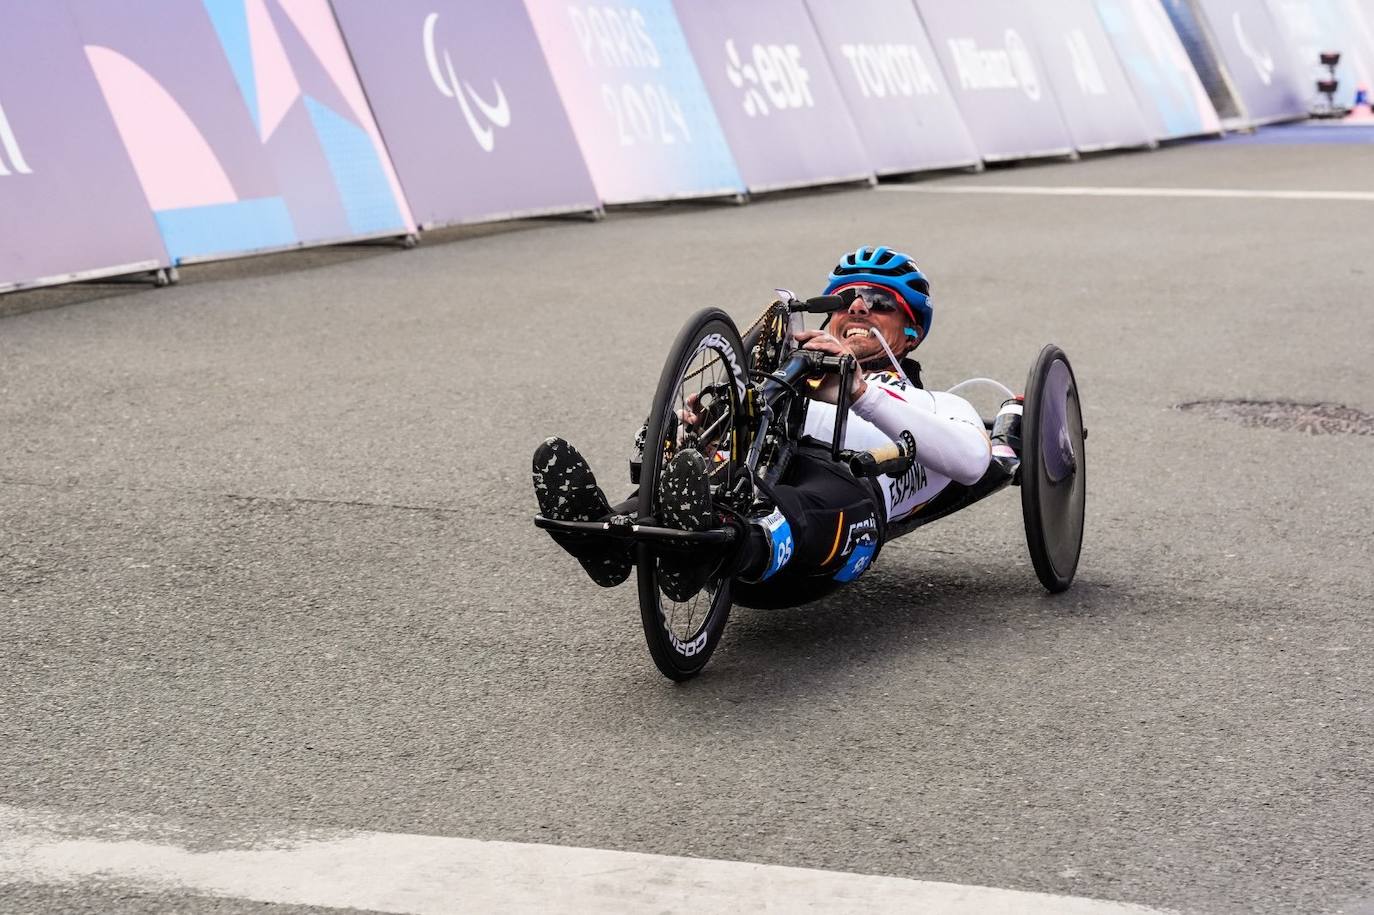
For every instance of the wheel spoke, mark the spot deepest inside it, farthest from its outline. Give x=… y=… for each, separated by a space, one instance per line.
x=700 y=379
x=706 y=376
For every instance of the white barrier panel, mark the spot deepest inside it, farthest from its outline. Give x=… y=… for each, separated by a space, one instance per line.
x=893 y=85
x=774 y=93
x=1363 y=11
x=70 y=203
x=468 y=108
x=1170 y=94
x=635 y=99
x=1314 y=26
x=1193 y=35
x=1257 y=58
x=987 y=50
x=245 y=122
x=1095 y=97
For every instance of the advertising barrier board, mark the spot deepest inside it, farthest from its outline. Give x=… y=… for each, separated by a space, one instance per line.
x=1258 y=59
x=987 y=49
x=1193 y=35
x=1096 y=99
x=1171 y=96
x=70 y=204
x=1314 y=26
x=467 y=107
x=776 y=98
x=637 y=104
x=245 y=123
x=893 y=85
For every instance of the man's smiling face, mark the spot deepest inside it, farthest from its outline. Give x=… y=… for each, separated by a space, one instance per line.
x=877 y=309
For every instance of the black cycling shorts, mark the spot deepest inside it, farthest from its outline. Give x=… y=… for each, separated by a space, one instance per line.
x=836 y=527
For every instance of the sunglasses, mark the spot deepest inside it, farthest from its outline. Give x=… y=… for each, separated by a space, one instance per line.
x=878 y=300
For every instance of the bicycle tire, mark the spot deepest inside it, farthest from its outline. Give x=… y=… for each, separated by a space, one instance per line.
x=1053 y=469
x=710 y=336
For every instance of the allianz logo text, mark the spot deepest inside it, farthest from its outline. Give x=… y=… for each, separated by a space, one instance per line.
x=889 y=69
x=1009 y=67
x=12 y=154
x=494 y=114
x=772 y=73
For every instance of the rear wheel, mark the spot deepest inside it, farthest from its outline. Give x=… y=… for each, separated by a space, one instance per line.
x=1053 y=469
x=704 y=374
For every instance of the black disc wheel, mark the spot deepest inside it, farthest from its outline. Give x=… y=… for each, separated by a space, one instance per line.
x=704 y=379
x=1053 y=469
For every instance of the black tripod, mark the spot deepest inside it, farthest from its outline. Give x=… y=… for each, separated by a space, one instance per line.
x=1327 y=85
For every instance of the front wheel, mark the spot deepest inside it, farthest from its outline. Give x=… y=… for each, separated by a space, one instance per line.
x=706 y=369
x=1053 y=469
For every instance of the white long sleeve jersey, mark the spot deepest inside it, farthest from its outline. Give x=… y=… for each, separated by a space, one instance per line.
x=951 y=440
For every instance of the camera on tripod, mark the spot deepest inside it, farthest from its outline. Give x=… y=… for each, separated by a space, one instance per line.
x=1327 y=85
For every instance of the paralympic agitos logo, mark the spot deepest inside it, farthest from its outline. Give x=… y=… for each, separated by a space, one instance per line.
x=1262 y=60
x=494 y=114
x=12 y=159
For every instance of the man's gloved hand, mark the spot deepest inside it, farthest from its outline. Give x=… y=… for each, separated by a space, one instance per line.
x=829 y=389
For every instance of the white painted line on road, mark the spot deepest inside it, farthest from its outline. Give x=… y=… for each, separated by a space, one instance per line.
x=433 y=875
x=1202 y=192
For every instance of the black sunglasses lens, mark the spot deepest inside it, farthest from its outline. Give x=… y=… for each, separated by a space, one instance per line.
x=878 y=300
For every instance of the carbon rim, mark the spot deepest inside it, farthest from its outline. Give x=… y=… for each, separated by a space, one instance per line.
x=1060 y=487
x=1053 y=466
x=705 y=387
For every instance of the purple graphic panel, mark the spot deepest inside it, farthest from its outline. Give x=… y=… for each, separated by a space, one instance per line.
x=70 y=204
x=468 y=108
x=245 y=122
x=1096 y=99
x=1171 y=95
x=777 y=100
x=892 y=84
x=635 y=99
x=1257 y=58
x=987 y=49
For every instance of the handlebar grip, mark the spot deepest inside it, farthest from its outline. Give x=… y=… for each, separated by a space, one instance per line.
x=886 y=453
x=892 y=459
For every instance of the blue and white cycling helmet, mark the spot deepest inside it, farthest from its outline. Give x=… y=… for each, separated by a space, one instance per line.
x=890 y=270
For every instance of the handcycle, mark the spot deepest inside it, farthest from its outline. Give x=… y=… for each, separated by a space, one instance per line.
x=747 y=400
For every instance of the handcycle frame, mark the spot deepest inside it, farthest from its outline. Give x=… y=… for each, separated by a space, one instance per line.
x=778 y=406
x=751 y=425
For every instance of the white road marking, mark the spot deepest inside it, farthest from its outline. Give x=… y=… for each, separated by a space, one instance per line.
x=433 y=875
x=1201 y=192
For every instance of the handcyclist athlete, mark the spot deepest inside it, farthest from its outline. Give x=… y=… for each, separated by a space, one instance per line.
x=827 y=525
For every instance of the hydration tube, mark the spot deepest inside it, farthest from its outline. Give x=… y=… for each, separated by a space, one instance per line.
x=873 y=332
x=963 y=386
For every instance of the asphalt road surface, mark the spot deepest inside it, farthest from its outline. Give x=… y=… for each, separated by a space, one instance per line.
x=266 y=559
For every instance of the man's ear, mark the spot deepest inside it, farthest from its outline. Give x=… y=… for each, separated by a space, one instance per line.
x=913 y=339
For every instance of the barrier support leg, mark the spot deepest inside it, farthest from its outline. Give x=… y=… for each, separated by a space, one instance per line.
x=162 y=276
